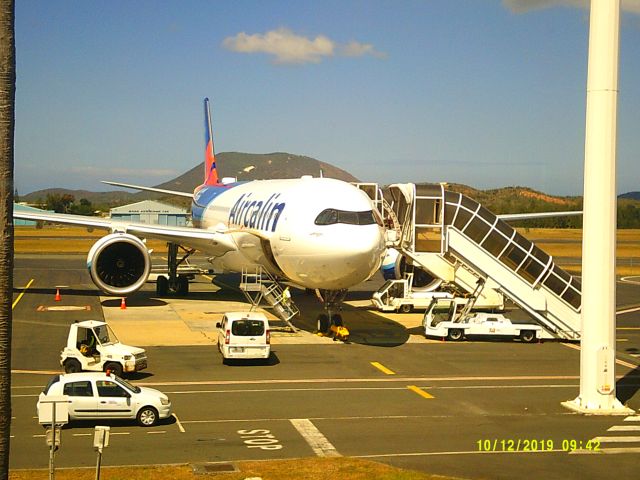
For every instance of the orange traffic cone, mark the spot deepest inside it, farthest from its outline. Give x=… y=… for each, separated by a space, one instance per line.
x=123 y=304
x=57 y=297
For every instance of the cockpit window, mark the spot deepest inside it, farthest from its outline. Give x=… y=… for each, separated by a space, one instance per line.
x=332 y=215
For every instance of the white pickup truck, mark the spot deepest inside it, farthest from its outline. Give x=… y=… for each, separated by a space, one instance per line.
x=482 y=324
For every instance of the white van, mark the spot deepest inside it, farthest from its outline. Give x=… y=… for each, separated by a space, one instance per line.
x=244 y=335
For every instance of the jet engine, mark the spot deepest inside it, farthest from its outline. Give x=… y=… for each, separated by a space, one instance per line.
x=395 y=267
x=119 y=263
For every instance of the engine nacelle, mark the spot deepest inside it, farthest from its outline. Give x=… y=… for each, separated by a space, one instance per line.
x=119 y=263
x=395 y=266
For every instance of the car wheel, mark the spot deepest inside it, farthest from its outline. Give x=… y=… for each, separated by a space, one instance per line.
x=72 y=366
x=455 y=334
x=527 y=336
x=406 y=308
x=162 y=286
x=147 y=416
x=323 y=323
x=114 y=368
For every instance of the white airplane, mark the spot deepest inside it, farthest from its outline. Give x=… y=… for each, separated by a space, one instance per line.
x=318 y=233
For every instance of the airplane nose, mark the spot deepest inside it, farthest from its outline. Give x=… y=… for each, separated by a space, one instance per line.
x=337 y=258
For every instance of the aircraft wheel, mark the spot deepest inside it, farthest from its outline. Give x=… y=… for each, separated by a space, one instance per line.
x=455 y=334
x=162 y=286
x=323 y=323
x=527 y=336
x=336 y=319
x=183 y=286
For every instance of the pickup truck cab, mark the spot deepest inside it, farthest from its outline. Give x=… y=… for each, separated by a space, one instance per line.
x=244 y=335
x=482 y=324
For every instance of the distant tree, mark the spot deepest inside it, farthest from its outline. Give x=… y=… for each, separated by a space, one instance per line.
x=83 y=208
x=59 y=203
x=7 y=123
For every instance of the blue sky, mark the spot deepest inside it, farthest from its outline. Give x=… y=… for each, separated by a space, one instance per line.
x=483 y=92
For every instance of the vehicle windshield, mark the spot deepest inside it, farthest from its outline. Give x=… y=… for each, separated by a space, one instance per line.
x=126 y=384
x=53 y=380
x=105 y=335
x=248 y=328
x=331 y=216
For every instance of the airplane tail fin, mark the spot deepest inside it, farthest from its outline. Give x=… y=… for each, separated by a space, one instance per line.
x=210 y=170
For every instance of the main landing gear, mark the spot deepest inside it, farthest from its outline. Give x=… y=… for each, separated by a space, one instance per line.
x=174 y=284
x=330 y=323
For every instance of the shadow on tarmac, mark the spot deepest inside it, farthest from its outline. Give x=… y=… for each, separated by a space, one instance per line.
x=628 y=385
x=52 y=291
x=140 y=299
x=272 y=361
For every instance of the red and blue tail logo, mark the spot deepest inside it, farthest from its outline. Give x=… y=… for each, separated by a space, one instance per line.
x=210 y=170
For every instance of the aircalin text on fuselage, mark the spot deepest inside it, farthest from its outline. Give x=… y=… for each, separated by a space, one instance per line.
x=258 y=214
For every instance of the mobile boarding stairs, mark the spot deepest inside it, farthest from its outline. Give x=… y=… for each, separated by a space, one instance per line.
x=457 y=240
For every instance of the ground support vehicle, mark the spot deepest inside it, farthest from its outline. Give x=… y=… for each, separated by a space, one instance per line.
x=399 y=296
x=244 y=336
x=99 y=396
x=483 y=325
x=92 y=346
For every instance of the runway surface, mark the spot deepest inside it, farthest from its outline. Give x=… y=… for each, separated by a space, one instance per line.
x=468 y=409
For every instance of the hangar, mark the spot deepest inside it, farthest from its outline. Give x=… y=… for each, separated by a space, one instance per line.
x=149 y=211
x=18 y=207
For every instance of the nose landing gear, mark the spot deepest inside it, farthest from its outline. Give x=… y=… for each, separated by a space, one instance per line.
x=330 y=323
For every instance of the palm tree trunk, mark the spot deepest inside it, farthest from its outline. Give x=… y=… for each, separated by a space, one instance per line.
x=7 y=117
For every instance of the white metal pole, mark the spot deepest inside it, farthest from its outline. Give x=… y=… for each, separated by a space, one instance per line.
x=52 y=449
x=598 y=344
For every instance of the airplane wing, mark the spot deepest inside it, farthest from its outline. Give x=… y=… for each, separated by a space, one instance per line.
x=215 y=243
x=508 y=217
x=149 y=189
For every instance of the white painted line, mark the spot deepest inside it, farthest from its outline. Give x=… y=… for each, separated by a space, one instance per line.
x=37 y=372
x=316 y=440
x=356 y=389
x=157 y=431
x=120 y=433
x=624 y=428
x=463 y=452
x=618 y=361
x=81 y=434
x=628 y=310
x=38 y=436
x=629 y=439
x=611 y=450
x=358 y=380
x=633 y=418
x=180 y=427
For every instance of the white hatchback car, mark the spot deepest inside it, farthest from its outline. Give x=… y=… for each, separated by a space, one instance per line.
x=244 y=335
x=97 y=396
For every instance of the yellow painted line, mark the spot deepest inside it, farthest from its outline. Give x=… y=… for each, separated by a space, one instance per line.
x=15 y=302
x=419 y=391
x=627 y=328
x=382 y=368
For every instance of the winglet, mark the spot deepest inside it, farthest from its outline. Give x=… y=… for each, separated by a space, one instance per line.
x=210 y=170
